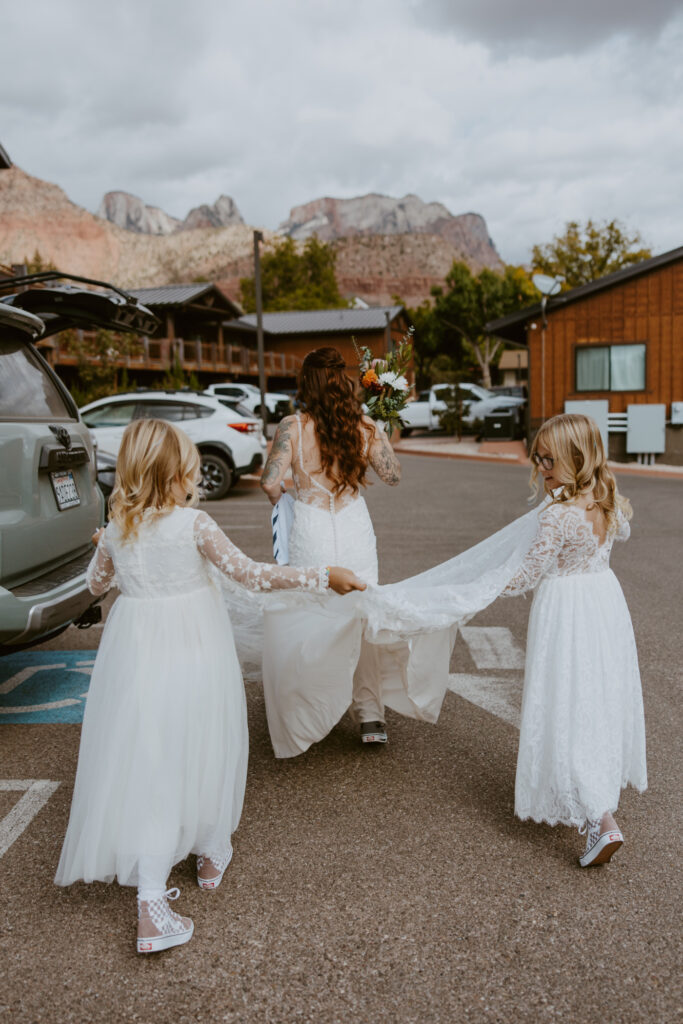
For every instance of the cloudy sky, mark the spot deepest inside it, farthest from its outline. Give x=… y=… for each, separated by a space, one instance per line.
x=530 y=113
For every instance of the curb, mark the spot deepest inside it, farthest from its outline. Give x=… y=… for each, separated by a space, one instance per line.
x=618 y=468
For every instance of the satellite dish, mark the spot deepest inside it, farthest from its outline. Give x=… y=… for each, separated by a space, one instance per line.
x=547 y=285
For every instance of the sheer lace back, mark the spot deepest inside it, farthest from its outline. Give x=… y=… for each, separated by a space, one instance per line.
x=566 y=543
x=311 y=484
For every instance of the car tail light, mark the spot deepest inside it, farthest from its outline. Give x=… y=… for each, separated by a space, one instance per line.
x=245 y=427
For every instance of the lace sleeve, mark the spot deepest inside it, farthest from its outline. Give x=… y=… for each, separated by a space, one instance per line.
x=623 y=527
x=233 y=563
x=99 y=575
x=541 y=555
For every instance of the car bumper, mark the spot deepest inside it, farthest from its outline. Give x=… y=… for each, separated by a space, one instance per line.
x=45 y=605
x=256 y=463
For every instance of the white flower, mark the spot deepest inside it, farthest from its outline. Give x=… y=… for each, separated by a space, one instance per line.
x=393 y=380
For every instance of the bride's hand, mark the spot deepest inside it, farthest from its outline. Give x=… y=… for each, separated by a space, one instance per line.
x=343 y=581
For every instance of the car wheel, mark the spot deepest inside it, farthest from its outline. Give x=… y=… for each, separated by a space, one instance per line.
x=217 y=476
x=406 y=431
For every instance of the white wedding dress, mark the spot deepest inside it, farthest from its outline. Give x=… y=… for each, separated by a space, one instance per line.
x=316 y=661
x=163 y=757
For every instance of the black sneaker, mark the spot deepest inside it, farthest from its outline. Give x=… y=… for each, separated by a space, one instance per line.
x=373 y=732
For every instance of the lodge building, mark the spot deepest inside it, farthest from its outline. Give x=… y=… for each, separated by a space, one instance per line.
x=612 y=346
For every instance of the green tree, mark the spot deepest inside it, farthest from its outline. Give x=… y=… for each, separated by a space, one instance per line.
x=468 y=302
x=37 y=264
x=295 y=279
x=583 y=254
x=101 y=355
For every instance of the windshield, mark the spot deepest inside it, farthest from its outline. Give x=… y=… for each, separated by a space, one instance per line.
x=27 y=392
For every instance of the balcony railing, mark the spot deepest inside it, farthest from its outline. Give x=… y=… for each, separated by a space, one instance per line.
x=160 y=354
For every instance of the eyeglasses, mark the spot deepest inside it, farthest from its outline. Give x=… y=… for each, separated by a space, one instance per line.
x=545 y=461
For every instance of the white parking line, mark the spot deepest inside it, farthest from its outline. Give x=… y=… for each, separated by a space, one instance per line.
x=36 y=795
x=501 y=697
x=493 y=647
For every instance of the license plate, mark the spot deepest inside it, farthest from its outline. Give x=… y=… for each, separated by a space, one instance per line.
x=64 y=486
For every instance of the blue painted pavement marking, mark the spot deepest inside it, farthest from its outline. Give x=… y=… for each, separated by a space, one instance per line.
x=44 y=686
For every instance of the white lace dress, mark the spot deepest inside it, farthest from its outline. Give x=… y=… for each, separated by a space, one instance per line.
x=582 y=735
x=163 y=757
x=317 y=662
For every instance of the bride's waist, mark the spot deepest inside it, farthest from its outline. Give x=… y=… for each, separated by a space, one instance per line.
x=302 y=506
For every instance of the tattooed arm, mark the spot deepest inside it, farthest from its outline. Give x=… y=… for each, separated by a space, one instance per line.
x=279 y=460
x=383 y=458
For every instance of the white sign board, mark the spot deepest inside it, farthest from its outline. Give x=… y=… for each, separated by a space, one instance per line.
x=645 y=429
x=598 y=410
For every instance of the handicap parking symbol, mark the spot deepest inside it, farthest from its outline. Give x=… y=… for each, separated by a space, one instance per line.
x=44 y=686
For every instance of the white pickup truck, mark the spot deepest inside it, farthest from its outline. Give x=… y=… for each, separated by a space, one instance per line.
x=425 y=412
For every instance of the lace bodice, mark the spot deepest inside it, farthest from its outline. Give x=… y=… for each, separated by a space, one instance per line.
x=565 y=544
x=172 y=554
x=310 y=483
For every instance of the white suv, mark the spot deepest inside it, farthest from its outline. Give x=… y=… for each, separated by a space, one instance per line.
x=277 y=403
x=230 y=443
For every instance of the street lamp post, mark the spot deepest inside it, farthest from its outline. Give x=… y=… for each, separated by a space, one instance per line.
x=258 y=238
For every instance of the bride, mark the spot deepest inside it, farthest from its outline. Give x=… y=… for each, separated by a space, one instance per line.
x=329 y=448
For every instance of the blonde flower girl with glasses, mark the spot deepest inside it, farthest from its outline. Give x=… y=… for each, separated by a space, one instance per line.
x=163 y=756
x=582 y=736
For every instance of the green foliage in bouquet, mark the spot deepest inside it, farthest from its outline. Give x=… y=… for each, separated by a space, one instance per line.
x=383 y=384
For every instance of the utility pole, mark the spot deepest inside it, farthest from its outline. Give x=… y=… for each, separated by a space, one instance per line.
x=258 y=238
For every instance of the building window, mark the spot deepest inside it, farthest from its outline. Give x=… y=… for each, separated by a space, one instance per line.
x=610 y=368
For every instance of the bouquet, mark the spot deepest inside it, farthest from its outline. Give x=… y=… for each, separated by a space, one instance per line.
x=384 y=387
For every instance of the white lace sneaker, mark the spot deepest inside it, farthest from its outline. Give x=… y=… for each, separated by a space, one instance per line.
x=600 y=846
x=218 y=863
x=164 y=928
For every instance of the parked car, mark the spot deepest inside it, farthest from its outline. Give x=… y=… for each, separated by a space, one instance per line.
x=516 y=390
x=424 y=413
x=278 y=403
x=50 y=501
x=229 y=443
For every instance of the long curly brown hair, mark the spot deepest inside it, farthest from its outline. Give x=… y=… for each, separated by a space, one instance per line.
x=327 y=394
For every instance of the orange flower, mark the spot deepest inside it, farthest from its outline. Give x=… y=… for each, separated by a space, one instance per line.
x=369 y=379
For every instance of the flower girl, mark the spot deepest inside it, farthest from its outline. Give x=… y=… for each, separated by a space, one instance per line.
x=582 y=734
x=163 y=756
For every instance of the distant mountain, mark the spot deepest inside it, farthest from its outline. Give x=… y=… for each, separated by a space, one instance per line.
x=222 y=214
x=374 y=214
x=36 y=215
x=132 y=214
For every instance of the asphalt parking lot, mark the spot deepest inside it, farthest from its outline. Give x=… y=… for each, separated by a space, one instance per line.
x=386 y=884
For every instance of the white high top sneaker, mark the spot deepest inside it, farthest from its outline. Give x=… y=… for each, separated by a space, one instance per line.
x=600 y=846
x=164 y=928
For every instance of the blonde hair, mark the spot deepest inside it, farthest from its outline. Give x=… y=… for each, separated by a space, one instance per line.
x=154 y=455
x=580 y=465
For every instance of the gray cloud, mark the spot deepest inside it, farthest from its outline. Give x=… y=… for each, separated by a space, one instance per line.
x=551 y=27
x=279 y=103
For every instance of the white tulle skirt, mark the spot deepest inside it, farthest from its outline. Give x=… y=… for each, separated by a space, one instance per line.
x=164 y=745
x=582 y=735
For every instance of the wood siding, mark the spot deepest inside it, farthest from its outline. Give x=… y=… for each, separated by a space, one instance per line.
x=648 y=309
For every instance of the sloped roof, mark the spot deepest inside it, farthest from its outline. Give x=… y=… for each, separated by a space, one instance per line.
x=513 y=326
x=325 y=321
x=5 y=161
x=175 y=295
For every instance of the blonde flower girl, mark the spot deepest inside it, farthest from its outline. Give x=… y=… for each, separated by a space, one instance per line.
x=582 y=736
x=163 y=756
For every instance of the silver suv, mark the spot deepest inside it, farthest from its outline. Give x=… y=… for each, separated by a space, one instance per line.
x=49 y=500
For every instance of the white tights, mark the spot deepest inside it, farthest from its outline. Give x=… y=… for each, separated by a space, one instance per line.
x=152 y=878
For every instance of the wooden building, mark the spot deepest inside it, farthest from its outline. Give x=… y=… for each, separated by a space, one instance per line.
x=618 y=339
x=294 y=334
x=191 y=334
